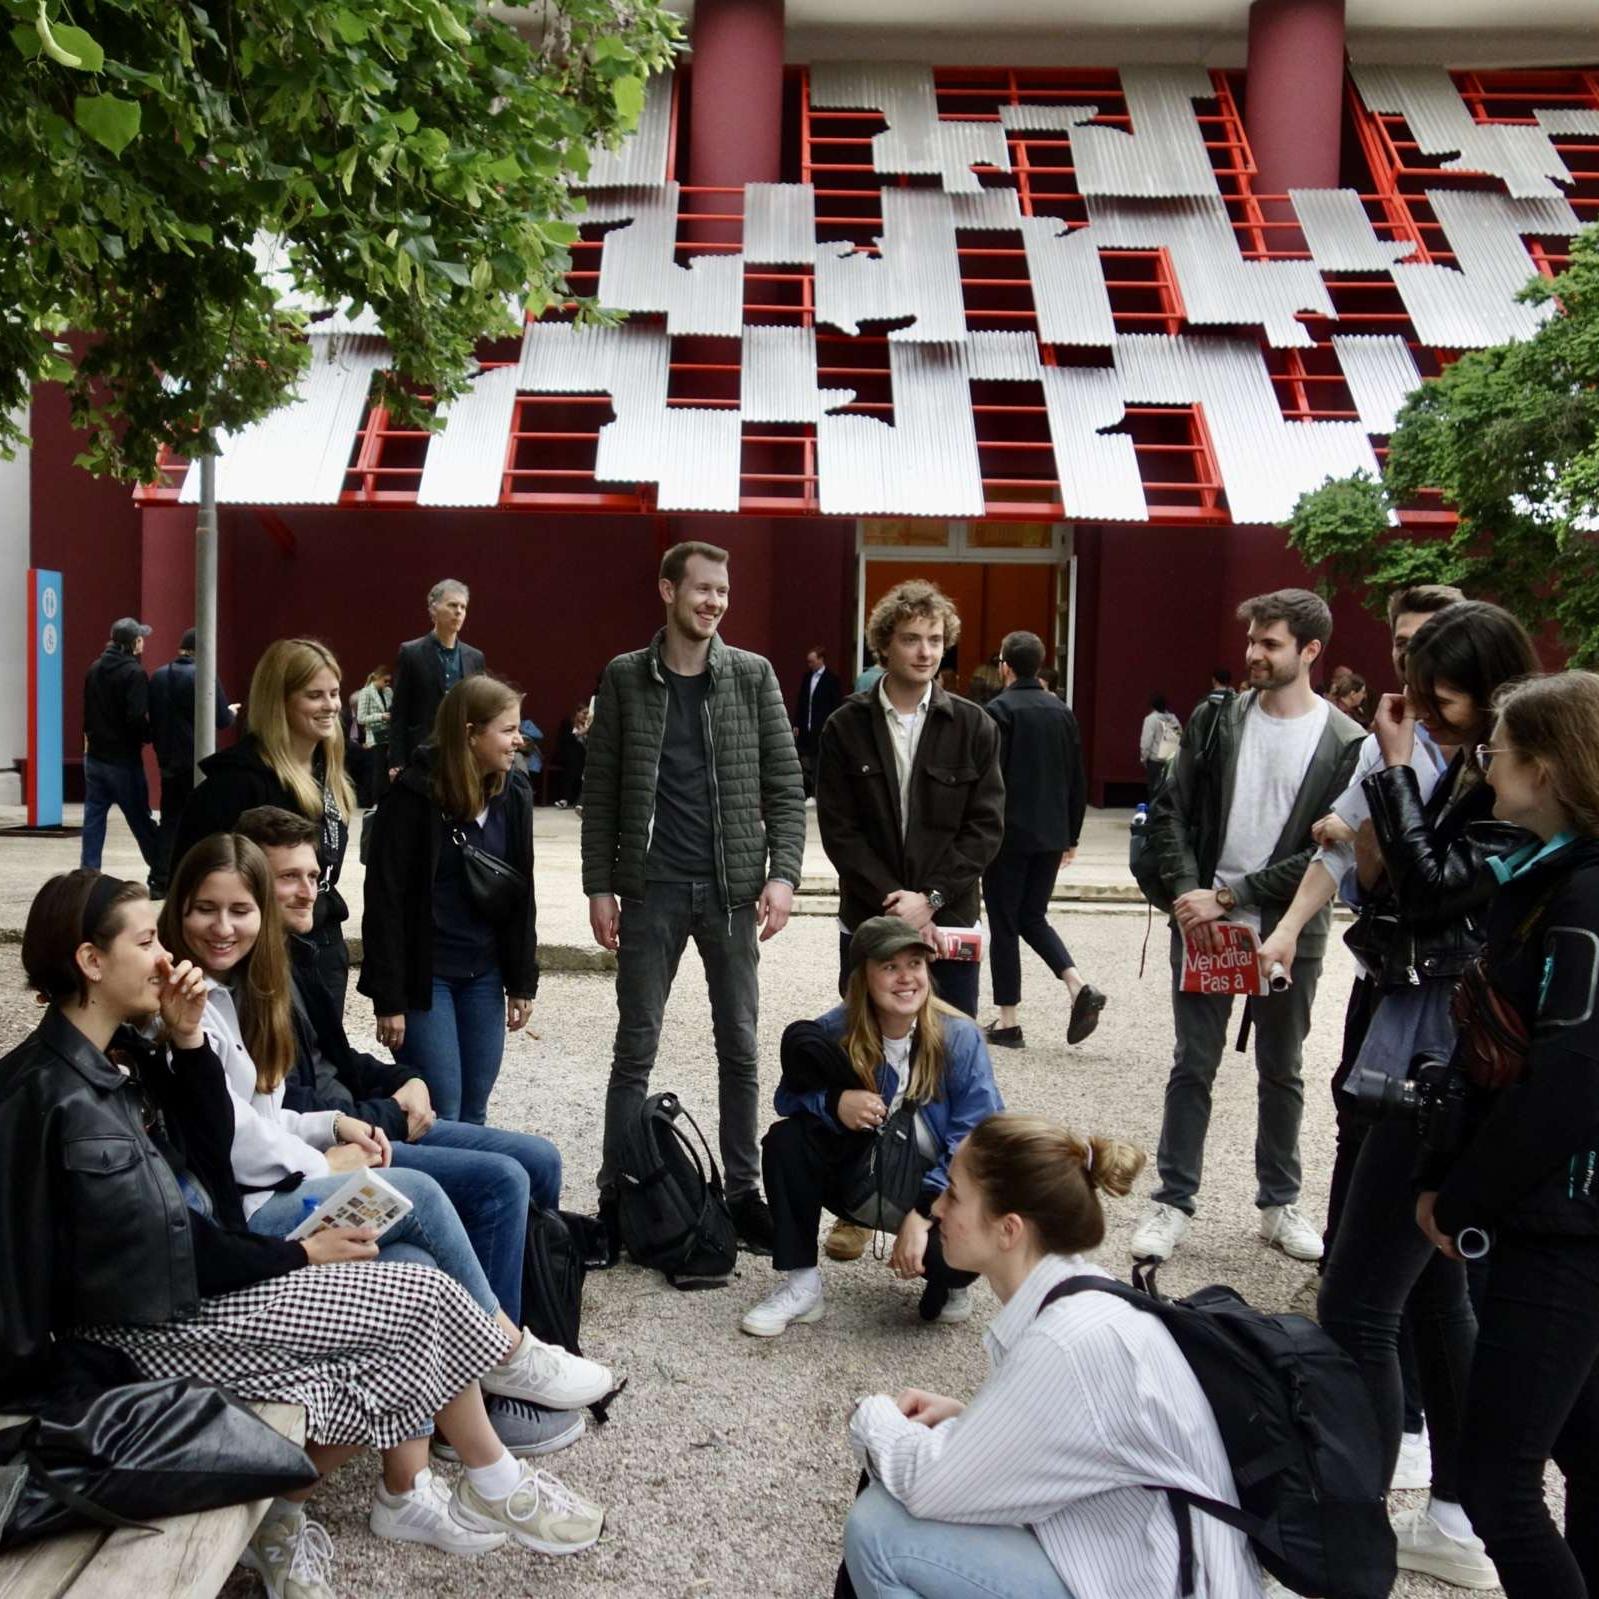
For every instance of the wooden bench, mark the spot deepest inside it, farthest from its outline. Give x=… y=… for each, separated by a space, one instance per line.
x=192 y=1555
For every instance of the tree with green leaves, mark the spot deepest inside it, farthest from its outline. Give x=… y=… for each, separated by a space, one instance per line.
x=411 y=156
x=1510 y=437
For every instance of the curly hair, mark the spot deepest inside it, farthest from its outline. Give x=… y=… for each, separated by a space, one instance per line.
x=915 y=597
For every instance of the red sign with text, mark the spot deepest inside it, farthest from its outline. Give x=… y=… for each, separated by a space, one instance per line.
x=1223 y=958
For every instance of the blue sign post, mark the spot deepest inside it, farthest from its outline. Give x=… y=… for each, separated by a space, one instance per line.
x=45 y=621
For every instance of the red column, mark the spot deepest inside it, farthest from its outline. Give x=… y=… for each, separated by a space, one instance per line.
x=736 y=92
x=1293 y=107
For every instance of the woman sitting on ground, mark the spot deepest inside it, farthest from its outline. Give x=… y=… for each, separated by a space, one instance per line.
x=222 y=914
x=891 y=1041
x=373 y=1351
x=1034 y=1489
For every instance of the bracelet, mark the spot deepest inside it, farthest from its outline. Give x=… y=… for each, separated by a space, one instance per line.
x=338 y=1116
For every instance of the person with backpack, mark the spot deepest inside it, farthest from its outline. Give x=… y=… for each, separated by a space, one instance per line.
x=893 y=1061
x=1158 y=741
x=1036 y=1487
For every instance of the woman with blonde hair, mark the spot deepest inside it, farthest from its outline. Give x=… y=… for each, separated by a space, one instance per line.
x=293 y=756
x=1034 y=1489
x=450 y=943
x=893 y=1059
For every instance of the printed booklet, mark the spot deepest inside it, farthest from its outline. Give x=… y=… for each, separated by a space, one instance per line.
x=1232 y=966
x=365 y=1200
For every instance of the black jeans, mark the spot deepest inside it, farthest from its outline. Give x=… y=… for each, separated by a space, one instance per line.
x=1534 y=1396
x=803 y=1161
x=1382 y=1266
x=1016 y=890
x=955 y=982
x=176 y=787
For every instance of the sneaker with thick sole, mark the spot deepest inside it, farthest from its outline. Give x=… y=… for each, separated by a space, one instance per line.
x=1284 y=1227
x=1160 y=1232
x=545 y=1375
x=427 y=1515
x=540 y=1513
x=1413 y=1469
x=754 y=1223
x=1424 y=1546
x=293 y=1558
x=524 y=1428
x=846 y=1241
x=957 y=1308
x=792 y=1302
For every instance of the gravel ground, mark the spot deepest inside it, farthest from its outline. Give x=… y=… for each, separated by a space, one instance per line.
x=725 y=1468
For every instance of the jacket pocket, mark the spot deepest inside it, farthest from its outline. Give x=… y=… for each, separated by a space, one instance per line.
x=947 y=792
x=102 y=1156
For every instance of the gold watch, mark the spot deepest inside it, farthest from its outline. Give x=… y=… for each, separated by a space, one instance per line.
x=1226 y=898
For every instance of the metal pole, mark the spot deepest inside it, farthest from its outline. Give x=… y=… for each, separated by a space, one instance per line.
x=205 y=616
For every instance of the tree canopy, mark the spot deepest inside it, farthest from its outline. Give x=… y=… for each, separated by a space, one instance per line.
x=411 y=156
x=1510 y=437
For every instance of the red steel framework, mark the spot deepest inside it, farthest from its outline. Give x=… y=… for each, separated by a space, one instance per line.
x=551 y=450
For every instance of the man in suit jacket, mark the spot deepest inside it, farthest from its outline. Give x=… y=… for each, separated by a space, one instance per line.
x=1231 y=831
x=427 y=669
x=1041 y=757
x=820 y=694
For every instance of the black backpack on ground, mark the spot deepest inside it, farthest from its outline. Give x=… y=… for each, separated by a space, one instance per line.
x=673 y=1214
x=554 y=1264
x=1300 y=1434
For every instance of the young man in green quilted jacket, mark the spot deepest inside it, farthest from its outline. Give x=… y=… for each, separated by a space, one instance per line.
x=693 y=827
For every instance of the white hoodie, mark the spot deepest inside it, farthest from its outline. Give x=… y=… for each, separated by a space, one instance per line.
x=269 y=1142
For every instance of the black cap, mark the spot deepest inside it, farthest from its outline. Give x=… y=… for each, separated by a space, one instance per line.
x=187 y=641
x=126 y=629
x=880 y=938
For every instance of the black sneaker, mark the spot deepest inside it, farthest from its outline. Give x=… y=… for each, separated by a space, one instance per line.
x=754 y=1222
x=1085 y=1013
x=1004 y=1037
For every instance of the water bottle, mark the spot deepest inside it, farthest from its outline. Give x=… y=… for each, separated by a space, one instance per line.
x=1135 y=835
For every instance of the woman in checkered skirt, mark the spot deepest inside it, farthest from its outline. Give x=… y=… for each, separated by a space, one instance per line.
x=120 y=1224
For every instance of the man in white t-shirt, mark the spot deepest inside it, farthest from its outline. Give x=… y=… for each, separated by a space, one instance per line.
x=1231 y=832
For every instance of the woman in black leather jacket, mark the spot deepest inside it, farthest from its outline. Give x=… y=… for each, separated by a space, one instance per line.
x=1432 y=897
x=1527 y=1175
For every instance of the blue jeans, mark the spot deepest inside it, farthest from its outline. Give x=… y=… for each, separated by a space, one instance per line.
x=489 y=1176
x=892 y=1554
x=456 y=1045
x=429 y=1234
x=119 y=783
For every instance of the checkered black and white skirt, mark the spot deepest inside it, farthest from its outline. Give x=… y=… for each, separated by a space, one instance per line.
x=373 y=1350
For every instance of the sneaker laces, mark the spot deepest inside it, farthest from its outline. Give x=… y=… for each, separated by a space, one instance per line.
x=313 y=1555
x=539 y=1487
x=543 y=1360
x=792 y=1292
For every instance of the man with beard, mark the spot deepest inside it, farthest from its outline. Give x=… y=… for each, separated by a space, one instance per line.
x=693 y=827
x=1231 y=830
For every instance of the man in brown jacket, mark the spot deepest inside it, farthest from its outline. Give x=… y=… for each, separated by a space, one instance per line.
x=909 y=795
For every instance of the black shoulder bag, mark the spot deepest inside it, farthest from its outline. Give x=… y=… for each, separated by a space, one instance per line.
x=497 y=890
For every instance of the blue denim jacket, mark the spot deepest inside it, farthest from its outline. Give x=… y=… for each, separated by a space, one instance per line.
x=970 y=1094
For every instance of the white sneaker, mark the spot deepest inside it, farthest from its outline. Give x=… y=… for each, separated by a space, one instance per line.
x=1425 y=1546
x=548 y=1376
x=293 y=1558
x=1160 y=1232
x=1284 y=1226
x=957 y=1308
x=792 y=1302
x=425 y=1515
x=541 y=1513
x=1414 y=1466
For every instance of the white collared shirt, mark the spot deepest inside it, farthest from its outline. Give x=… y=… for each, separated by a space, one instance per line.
x=1085 y=1404
x=904 y=734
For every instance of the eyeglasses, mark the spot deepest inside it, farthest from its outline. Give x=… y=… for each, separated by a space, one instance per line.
x=1484 y=754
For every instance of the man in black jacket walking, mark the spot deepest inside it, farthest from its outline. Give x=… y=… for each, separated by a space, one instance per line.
x=820 y=694
x=1041 y=757
x=116 y=727
x=427 y=669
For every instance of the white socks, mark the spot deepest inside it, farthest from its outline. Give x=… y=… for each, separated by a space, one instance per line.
x=1449 y=1516
x=497 y=1481
x=807 y=1277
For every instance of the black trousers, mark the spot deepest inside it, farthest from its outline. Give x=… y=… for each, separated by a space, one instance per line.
x=1534 y=1396
x=176 y=787
x=955 y=982
x=1016 y=889
x=802 y=1163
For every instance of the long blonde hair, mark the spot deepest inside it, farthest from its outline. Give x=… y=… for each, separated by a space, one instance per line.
x=285 y=668
x=863 y=1038
x=459 y=787
x=1554 y=720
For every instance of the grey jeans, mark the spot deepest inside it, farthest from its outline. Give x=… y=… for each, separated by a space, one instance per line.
x=655 y=932
x=1280 y=1024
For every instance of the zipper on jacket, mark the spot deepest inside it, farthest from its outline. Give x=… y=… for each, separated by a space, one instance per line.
x=716 y=807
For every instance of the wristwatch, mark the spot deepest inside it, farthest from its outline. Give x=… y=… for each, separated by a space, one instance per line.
x=1226 y=898
x=935 y=900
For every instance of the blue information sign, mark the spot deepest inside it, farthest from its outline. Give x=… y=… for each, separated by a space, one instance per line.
x=44 y=698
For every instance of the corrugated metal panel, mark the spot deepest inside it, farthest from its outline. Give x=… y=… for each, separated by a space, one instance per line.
x=641 y=158
x=1069 y=293
x=779 y=224
x=1568 y=122
x=1003 y=357
x=1045 y=118
x=465 y=462
x=1218 y=285
x=1340 y=234
x=1442 y=125
x=639 y=272
x=563 y=358
x=925 y=463
x=915 y=141
x=917 y=275
x=1165 y=153
x=1380 y=372
x=298 y=455
x=1266 y=461
x=1098 y=472
x=779 y=377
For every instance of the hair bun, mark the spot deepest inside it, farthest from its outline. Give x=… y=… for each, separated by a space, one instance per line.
x=1112 y=1166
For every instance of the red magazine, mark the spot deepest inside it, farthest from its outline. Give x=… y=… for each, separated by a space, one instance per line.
x=1229 y=964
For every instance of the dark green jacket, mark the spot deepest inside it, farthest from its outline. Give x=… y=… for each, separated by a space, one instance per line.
x=758 y=818
x=1188 y=820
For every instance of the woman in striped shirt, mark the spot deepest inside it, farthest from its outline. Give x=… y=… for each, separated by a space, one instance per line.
x=1035 y=1489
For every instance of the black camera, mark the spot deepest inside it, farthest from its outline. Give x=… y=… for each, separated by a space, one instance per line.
x=1434 y=1094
